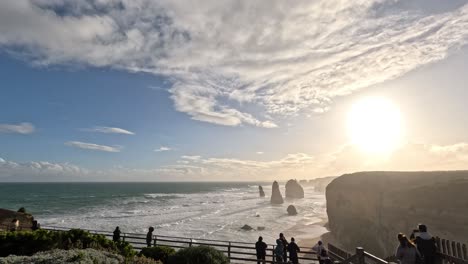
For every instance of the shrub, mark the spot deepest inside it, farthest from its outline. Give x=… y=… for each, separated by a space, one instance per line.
x=30 y=242
x=198 y=255
x=59 y=256
x=22 y=210
x=161 y=253
x=144 y=260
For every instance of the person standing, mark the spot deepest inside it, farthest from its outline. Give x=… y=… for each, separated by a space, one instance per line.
x=318 y=250
x=293 y=250
x=425 y=244
x=285 y=247
x=149 y=236
x=406 y=253
x=116 y=236
x=261 y=247
x=279 y=251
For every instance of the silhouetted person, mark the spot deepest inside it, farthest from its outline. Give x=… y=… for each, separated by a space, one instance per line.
x=116 y=236
x=35 y=225
x=425 y=244
x=149 y=236
x=261 y=247
x=279 y=251
x=406 y=253
x=285 y=247
x=293 y=250
x=324 y=256
x=318 y=249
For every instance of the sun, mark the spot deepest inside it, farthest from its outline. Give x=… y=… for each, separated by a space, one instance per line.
x=375 y=125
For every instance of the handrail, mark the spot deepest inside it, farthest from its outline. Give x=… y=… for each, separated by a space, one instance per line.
x=243 y=253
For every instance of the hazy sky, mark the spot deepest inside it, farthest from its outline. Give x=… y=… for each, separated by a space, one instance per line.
x=172 y=90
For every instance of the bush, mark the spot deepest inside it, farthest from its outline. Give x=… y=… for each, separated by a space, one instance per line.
x=161 y=253
x=198 y=255
x=22 y=210
x=30 y=242
x=59 y=256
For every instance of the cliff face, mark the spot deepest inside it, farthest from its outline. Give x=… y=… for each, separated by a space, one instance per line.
x=369 y=209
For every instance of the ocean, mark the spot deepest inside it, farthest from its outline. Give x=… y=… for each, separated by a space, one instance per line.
x=195 y=209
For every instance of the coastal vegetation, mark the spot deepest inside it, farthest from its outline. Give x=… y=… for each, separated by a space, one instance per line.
x=79 y=246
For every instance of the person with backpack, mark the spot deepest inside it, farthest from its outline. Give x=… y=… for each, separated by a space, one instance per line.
x=318 y=249
x=279 y=251
x=116 y=235
x=285 y=246
x=324 y=256
x=425 y=244
x=261 y=247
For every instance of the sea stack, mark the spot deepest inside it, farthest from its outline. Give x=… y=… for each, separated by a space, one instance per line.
x=294 y=190
x=260 y=190
x=276 y=197
x=291 y=210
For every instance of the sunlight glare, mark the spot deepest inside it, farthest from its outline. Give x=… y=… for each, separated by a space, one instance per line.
x=374 y=125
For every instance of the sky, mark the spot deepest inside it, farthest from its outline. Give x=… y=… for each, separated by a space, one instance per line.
x=172 y=90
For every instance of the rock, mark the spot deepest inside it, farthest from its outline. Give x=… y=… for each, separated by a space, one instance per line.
x=368 y=209
x=260 y=228
x=247 y=228
x=262 y=193
x=276 y=197
x=294 y=190
x=7 y=216
x=291 y=210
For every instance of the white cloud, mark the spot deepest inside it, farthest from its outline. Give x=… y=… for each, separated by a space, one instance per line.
x=109 y=130
x=194 y=157
x=92 y=146
x=260 y=152
x=161 y=149
x=22 y=128
x=239 y=62
x=40 y=171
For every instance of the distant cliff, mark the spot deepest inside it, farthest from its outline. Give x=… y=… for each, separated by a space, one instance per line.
x=369 y=208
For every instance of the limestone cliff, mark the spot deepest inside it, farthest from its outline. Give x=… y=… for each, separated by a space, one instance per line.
x=369 y=208
x=294 y=190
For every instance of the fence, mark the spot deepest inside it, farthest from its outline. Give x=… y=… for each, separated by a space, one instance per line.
x=240 y=252
x=360 y=256
x=451 y=252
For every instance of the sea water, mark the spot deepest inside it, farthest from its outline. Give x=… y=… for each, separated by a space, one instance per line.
x=196 y=210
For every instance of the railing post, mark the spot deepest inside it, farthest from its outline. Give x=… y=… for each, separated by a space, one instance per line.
x=190 y=243
x=360 y=255
x=454 y=249
x=273 y=254
x=229 y=251
x=464 y=252
x=155 y=240
x=459 y=252
x=123 y=238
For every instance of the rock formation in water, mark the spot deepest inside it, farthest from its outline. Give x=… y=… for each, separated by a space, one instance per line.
x=276 y=197
x=247 y=228
x=291 y=210
x=294 y=189
x=260 y=190
x=369 y=209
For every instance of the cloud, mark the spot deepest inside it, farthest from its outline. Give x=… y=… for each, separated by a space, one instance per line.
x=260 y=152
x=40 y=171
x=239 y=62
x=161 y=149
x=92 y=146
x=22 y=128
x=109 y=130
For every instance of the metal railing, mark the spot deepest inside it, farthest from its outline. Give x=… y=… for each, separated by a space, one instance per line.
x=240 y=252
